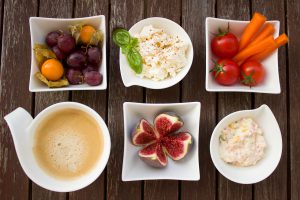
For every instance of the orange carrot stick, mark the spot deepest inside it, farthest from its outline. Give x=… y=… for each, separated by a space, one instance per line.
x=254 y=49
x=252 y=28
x=281 y=40
x=266 y=31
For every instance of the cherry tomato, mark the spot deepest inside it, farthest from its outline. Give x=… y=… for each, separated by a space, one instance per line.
x=225 y=45
x=226 y=72
x=252 y=73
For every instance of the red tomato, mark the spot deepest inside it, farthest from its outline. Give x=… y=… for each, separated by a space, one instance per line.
x=252 y=73
x=226 y=72
x=225 y=45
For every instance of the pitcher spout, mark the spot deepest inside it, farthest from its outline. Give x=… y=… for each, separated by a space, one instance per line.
x=18 y=121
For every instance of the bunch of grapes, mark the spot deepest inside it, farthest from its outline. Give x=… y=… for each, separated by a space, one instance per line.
x=81 y=62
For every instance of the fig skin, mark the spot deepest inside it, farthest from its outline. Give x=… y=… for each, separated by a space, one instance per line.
x=154 y=163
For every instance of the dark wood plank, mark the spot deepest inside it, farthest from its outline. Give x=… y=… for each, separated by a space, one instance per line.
x=94 y=99
x=230 y=102
x=275 y=187
x=14 y=78
x=171 y=10
x=293 y=21
x=193 y=89
x=55 y=9
x=123 y=14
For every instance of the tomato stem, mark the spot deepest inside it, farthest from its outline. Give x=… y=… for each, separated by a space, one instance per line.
x=248 y=80
x=221 y=32
x=217 y=68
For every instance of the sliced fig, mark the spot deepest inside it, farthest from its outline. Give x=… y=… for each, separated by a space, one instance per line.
x=167 y=123
x=143 y=134
x=154 y=155
x=177 y=145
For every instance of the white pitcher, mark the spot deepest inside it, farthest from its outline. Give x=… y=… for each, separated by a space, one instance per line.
x=23 y=126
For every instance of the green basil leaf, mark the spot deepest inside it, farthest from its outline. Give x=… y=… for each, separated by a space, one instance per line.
x=125 y=49
x=135 y=60
x=121 y=37
x=134 y=42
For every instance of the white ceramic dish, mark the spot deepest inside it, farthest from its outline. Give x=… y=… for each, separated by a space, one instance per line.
x=185 y=169
x=128 y=75
x=40 y=27
x=271 y=131
x=271 y=83
x=23 y=126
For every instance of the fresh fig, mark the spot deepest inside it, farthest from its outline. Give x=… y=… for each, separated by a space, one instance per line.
x=154 y=155
x=167 y=123
x=143 y=133
x=177 y=145
x=161 y=140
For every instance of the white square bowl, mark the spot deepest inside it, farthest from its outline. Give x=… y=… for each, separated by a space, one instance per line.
x=40 y=27
x=271 y=83
x=134 y=168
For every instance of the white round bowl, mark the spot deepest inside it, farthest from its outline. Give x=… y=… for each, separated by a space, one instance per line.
x=128 y=75
x=252 y=174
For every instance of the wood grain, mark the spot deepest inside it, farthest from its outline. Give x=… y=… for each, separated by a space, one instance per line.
x=55 y=9
x=275 y=187
x=193 y=89
x=94 y=99
x=123 y=14
x=283 y=184
x=172 y=10
x=230 y=102
x=14 y=78
x=293 y=21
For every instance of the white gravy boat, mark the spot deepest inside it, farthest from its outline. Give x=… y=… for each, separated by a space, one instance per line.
x=22 y=127
x=266 y=120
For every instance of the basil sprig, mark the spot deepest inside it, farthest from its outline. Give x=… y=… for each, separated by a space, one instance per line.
x=128 y=44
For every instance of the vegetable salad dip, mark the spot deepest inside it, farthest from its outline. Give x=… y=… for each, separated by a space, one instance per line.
x=242 y=143
x=163 y=55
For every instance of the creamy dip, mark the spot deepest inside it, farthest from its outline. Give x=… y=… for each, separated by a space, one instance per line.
x=163 y=55
x=242 y=143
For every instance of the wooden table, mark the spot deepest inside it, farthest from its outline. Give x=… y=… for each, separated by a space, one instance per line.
x=283 y=184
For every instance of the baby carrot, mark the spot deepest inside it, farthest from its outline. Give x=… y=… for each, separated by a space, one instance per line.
x=281 y=40
x=254 y=49
x=266 y=31
x=252 y=28
x=262 y=55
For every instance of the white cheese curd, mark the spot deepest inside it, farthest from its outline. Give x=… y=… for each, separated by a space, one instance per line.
x=242 y=143
x=163 y=55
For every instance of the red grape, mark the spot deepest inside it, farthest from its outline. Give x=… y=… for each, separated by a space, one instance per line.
x=59 y=54
x=94 y=55
x=74 y=76
x=76 y=59
x=51 y=38
x=93 y=78
x=89 y=68
x=66 y=43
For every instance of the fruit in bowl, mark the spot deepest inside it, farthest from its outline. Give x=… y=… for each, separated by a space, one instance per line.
x=160 y=140
x=65 y=57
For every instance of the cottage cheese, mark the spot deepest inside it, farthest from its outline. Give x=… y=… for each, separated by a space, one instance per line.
x=163 y=55
x=242 y=143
